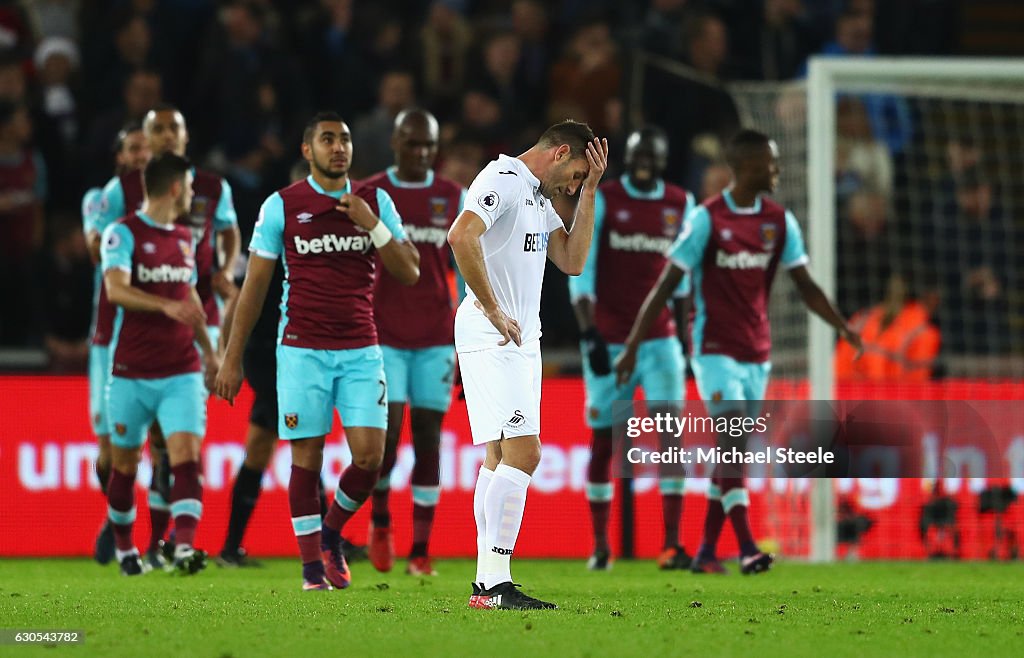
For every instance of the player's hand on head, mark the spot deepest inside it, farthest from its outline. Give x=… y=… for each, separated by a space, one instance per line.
x=358 y=211
x=185 y=311
x=625 y=364
x=597 y=157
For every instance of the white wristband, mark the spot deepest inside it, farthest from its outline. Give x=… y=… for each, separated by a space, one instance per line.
x=380 y=234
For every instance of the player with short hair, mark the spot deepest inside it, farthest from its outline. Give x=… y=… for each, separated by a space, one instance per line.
x=636 y=219
x=130 y=152
x=731 y=245
x=214 y=225
x=326 y=229
x=501 y=241
x=149 y=271
x=415 y=327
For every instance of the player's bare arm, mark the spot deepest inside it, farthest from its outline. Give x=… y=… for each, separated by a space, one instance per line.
x=656 y=300
x=816 y=300
x=246 y=312
x=401 y=258
x=121 y=292
x=228 y=246
x=568 y=249
x=93 y=242
x=464 y=239
x=211 y=363
x=225 y=329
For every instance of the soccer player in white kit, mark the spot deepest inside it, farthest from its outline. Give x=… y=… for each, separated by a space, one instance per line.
x=500 y=240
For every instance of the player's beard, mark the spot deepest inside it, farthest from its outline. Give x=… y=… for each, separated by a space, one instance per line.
x=328 y=172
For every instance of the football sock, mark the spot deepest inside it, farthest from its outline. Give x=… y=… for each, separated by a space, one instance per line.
x=380 y=513
x=505 y=503
x=735 y=502
x=159 y=517
x=121 y=509
x=186 y=502
x=103 y=475
x=483 y=481
x=713 y=522
x=354 y=488
x=305 y=505
x=244 y=495
x=599 y=490
x=426 y=492
x=671 y=510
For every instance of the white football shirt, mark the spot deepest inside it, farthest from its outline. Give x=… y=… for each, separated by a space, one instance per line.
x=506 y=196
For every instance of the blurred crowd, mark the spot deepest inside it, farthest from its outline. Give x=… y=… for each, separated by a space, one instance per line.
x=248 y=73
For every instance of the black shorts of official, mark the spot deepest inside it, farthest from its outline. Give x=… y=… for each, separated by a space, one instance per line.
x=260 y=363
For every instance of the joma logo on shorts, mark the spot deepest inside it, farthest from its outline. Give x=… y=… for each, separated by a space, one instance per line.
x=330 y=243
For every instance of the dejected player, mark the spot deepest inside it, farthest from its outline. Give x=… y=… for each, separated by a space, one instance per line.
x=149 y=271
x=415 y=328
x=501 y=241
x=636 y=219
x=326 y=229
x=731 y=245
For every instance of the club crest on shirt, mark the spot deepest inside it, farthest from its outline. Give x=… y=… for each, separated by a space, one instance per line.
x=291 y=421
x=439 y=210
x=200 y=205
x=149 y=248
x=768 y=235
x=120 y=428
x=186 y=249
x=716 y=396
x=670 y=220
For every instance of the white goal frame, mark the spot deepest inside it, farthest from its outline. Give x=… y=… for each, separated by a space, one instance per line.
x=827 y=77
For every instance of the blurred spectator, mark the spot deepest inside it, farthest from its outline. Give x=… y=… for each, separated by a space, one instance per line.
x=862 y=163
x=482 y=122
x=890 y=116
x=371 y=134
x=499 y=73
x=13 y=85
x=864 y=250
x=586 y=76
x=694 y=110
x=530 y=24
x=328 y=43
x=773 y=44
x=249 y=100
x=15 y=29
x=659 y=33
x=142 y=92
x=23 y=192
x=717 y=177
x=462 y=160
x=65 y=282
x=444 y=44
x=132 y=44
x=918 y=27
x=977 y=243
x=56 y=61
x=55 y=18
x=900 y=341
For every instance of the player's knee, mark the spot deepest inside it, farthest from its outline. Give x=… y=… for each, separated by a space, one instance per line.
x=369 y=459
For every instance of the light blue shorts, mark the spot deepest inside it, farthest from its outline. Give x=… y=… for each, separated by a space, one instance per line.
x=214 y=332
x=311 y=384
x=727 y=385
x=422 y=378
x=178 y=403
x=659 y=371
x=99 y=377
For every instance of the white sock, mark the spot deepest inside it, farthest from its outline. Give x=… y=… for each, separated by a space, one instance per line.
x=504 y=505
x=120 y=555
x=482 y=482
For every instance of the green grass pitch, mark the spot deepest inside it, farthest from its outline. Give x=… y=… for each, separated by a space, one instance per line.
x=868 y=609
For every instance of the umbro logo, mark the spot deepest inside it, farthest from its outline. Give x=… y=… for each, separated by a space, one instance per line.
x=304 y=218
x=149 y=247
x=516 y=420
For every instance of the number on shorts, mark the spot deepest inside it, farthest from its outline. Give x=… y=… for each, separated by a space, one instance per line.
x=382 y=400
x=449 y=372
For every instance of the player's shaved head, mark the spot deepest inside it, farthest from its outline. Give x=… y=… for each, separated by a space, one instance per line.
x=646 y=155
x=165 y=129
x=416 y=119
x=415 y=142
